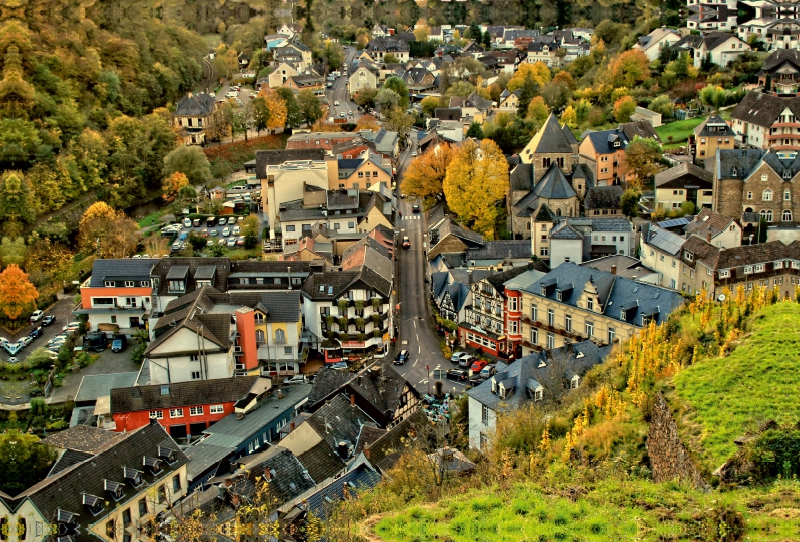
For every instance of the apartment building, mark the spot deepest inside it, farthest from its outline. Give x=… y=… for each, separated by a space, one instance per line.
x=660 y=250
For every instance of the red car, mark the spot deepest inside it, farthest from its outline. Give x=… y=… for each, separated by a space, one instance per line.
x=478 y=365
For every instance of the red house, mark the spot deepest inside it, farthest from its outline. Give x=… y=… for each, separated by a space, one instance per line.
x=184 y=408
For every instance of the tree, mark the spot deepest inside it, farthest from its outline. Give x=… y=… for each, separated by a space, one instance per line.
x=294 y=117
x=277 y=108
x=624 y=108
x=197 y=241
x=425 y=174
x=474 y=32
x=399 y=121
x=662 y=104
x=538 y=71
x=461 y=89
x=366 y=98
x=555 y=94
x=537 y=110
x=12 y=250
x=260 y=114
x=367 y=122
x=25 y=461
x=106 y=233
x=191 y=161
x=476 y=180
x=16 y=202
x=429 y=105
x=387 y=100
x=570 y=117
x=666 y=54
x=422 y=32
x=234 y=117
x=629 y=69
x=642 y=160
x=174 y=184
x=487 y=39
x=46 y=260
x=334 y=54
x=390 y=58
x=17 y=294
x=629 y=203
x=250 y=231
x=309 y=106
x=398 y=85
x=528 y=92
x=475 y=130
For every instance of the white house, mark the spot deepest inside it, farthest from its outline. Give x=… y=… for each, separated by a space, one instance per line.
x=661 y=250
x=285 y=182
x=576 y=240
x=652 y=43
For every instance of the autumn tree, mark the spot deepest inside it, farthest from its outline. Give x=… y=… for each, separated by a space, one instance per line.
x=367 y=122
x=629 y=69
x=173 y=185
x=189 y=160
x=276 y=107
x=624 y=108
x=25 y=461
x=12 y=250
x=425 y=174
x=398 y=85
x=642 y=160
x=106 y=233
x=16 y=202
x=460 y=89
x=387 y=100
x=537 y=110
x=366 y=97
x=476 y=180
x=429 y=105
x=538 y=72
x=46 y=259
x=570 y=117
x=309 y=106
x=250 y=227
x=390 y=58
x=421 y=32
x=294 y=117
x=399 y=121
x=17 y=294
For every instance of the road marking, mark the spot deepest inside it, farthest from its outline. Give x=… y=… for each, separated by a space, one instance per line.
x=403 y=342
x=420 y=349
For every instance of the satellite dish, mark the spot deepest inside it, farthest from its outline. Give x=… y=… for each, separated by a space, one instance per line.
x=721 y=297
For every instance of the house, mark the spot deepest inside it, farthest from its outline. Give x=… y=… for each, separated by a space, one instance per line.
x=473 y=49
x=539 y=377
x=103 y=484
x=378 y=390
x=543 y=49
x=706 y=15
x=712 y=134
x=652 y=43
x=306 y=81
x=275 y=157
x=719 y=47
x=573 y=303
x=198 y=118
x=756 y=181
x=446 y=237
x=509 y=101
x=624 y=266
x=378 y=48
x=450 y=291
x=359 y=173
x=604 y=152
x=289 y=30
x=116 y=298
x=769 y=265
x=576 y=240
x=308 y=250
x=296 y=53
x=764 y=120
x=386 y=142
x=317 y=140
x=507 y=61
x=603 y=201
x=682 y=183
x=642 y=114
x=660 y=250
x=780 y=73
x=184 y=408
x=381 y=31
x=768 y=23
x=719 y=230
x=419 y=79
x=285 y=182
x=257 y=419
x=280 y=74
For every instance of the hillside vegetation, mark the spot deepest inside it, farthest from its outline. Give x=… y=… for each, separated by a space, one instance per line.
x=580 y=469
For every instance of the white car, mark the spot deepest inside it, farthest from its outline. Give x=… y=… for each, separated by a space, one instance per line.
x=226 y=232
x=235 y=230
x=72 y=326
x=336 y=103
x=222 y=221
x=26 y=340
x=231 y=94
x=187 y=222
x=231 y=242
x=36 y=316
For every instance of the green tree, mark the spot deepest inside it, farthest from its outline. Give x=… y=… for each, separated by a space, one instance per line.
x=19 y=142
x=666 y=54
x=366 y=98
x=399 y=121
x=429 y=105
x=260 y=114
x=555 y=94
x=529 y=91
x=642 y=160
x=390 y=58
x=250 y=231
x=309 y=106
x=487 y=39
x=16 y=195
x=629 y=203
x=25 y=461
x=398 y=85
x=624 y=108
x=294 y=116
x=197 y=241
x=460 y=89
x=475 y=130
x=662 y=104
x=387 y=100
x=40 y=358
x=189 y=160
x=334 y=54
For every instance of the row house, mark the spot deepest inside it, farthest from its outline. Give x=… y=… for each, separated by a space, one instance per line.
x=306 y=81
x=117 y=297
x=573 y=303
x=558 y=239
x=682 y=183
x=765 y=121
x=719 y=230
x=660 y=250
x=184 y=408
x=780 y=72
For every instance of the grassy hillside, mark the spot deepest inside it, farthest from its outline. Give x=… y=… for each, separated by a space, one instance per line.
x=726 y=397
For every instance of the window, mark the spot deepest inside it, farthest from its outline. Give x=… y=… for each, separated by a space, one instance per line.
x=749 y=194
x=724 y=273
x=109 y=283
x=280 y=336
x=568 y=322
x=157 y=414
x=512 y=303
x=766 y=195
x=544 y=252
x=766 y=214
x=145 y=284
x=534 y=336
x=196 y=411
x=550 y=317
x=142 y=507
x=176 y=286
x=129 y=284
x=195 y=375
x=759 y=268
x=337 y=226
x=534 y=313
x=162 y=493
x=290 y=227
x=512 y=327
x=126 y=516
x=590 y=303
x=216 y=409
x=763 y=176
x=194 y=357
x=611 y=334
x=113 y=319
x=787 y=195
x=485 y=415
x=351 y=224
x=176 y=484
x=176 y=413
x=589 y=329
x=551 y=341
x=110 y=530
x=484 y=441
x=786 y=216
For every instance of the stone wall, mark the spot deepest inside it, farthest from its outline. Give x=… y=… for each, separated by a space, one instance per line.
x=668 y=456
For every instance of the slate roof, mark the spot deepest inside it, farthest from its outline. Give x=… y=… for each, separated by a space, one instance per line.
x=760 y=253
x=385 y=452
x=446 y=226
x=521 y=177
x=599 y=223
x=553 y=184
x=68 y=459
x=476 y=101
x=626 y=266
x=361 y=478
x=163 y=267
x=197 y=105
x=603 y=197
x=741 y=160
x=569 y=135
x=383 y=391
x=180 y=394
x=65 y=489
x=202 y=456
x=321 y=461
x=664 y=240
x=288 y=477
x=550 y=138
x=94 y=386
x=701 y=251
x=565 y=232
x=720 y=128
x=387 y=45
x=327 y=382
x=762 y=109
x=81 y=438
x=613 y=292
x=333 y=284
x=279 y=306
x=778 y=58
x=707 y=222
x=682 y=174
x=498 y=280
x=500 y=250
x=120 y=270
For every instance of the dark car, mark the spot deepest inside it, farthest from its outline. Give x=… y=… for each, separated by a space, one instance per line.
x=415 y=209
x=457 y=374
x=49 y=319
x=36 y=333
x=119 y=343
x=95 y=341
x=401 y=357
x=475 y=380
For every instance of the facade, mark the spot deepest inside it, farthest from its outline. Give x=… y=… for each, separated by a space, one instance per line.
x=509 y=101
x=604 y=152
x=286 y=182
x=719 y=230
x=603 y=201
x=364 y=76
x=712 y=134
x=543 y=51
x=643 y=114
x=117 y=296
x=573 y=303
x=682 y=183
x=197 y=117
x=378 y=48
x=282 y=73
x=577 y=239
x=706 y=15
x=652 y=43
x=294 y=52
x=764 y=120
x=660 y=250
x=362 y=172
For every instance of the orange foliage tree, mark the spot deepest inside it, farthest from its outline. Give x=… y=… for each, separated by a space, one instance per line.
x=17 y=293
x=629 y=69
x=173 y=185
x=425 y=173
x=276 y=107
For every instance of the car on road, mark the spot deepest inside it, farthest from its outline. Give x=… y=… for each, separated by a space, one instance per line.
x=222 y=221
x=231 y=94
x=336 y=103
x=329 y=85
x=457 y=374
x=119 y=343
x=49 y=319
x=226 y=232
x=36 y=316
x=36 y=333
x=415 y=153
x=406 y=242
x=187 y=222
x=415 y=209
x=478 y=365
x=252 y=95
x=403 y=196
x=342 y=114
x=339 y=365
x=401 y=358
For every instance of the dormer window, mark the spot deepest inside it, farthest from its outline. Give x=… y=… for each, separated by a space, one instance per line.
x=109 y=283
x=616 y=143
x=538 y=395
x=92 y=503
x=152 y=464
x=133 y=477
x=558 y=295
x=689 y=256
x=115 y=489
x=502 y=392
x=724 y=273
x=544 y=290
x=259 y=318
x=167 y=454
x=590 y=303
x=787 y=175
x=733 y=172
x=623 y=314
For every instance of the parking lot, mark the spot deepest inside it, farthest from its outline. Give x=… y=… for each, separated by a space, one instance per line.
x=227 y=234
x=62 y=310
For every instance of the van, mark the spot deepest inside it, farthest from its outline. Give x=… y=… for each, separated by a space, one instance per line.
x=119 y=343
x=211 y=222
x=95 y=341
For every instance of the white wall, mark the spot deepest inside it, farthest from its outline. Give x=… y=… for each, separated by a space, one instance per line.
x=476 y=426
x=561 y=249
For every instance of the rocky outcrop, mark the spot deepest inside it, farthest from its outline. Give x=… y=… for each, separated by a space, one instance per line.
x=668 y=456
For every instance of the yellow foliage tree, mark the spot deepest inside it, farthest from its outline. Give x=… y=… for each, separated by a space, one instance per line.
x=98 y=209
x=629 y=69
x=537 y=110
x=173 y=185
x=425 y=174
x=570 y=117
x=17 y=294
x=276 y=107
x=538 y=71
x=476 y=180
x=107 y=233
x=624 y=108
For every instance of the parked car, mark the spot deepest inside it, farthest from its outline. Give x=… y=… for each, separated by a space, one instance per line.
x=401 y=358
x=456 y=357
x=296 y=379
x=72 y=326
x=342 y=114
x=457 y=374
x=49 y=319
x=95 y=341
x=406 y=242
x=177 y=246
x=235 y=230
x=478 y=365
x=226 y=232
x=204 y=232
x=183 y=236
x=466 y=361
x=36 y=333
x=222 y=221
x=231 y=94
x=26 y=341
x=187 y=222
x=231 y=242
x=196 y=222
x=213 y=233
x=476 y=380
x=489 y=370
x=119 y=343
x=240 y=241
x=36 y=316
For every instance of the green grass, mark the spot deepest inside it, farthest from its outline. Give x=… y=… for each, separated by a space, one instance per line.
x=727 y=397
x=679 y=130
x=151 y=219
x=212 y=41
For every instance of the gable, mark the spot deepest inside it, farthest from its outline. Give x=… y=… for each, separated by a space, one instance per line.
x=183 y=340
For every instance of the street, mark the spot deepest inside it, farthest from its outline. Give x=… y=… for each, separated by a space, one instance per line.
x=339 y=93
x=415 y=331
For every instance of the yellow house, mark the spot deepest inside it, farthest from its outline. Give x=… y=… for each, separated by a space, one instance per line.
x=361 y=173
x=377 y=213
x=278 y=330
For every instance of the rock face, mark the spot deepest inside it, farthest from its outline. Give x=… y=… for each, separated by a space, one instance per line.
x=668 y=456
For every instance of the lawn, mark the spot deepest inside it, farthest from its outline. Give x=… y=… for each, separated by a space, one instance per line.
x=680 y=130
x=727 y=397
x=151 y=219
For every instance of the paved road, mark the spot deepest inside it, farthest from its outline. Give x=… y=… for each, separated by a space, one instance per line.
x=415 y=332
x=339 y=93
x=62 y=310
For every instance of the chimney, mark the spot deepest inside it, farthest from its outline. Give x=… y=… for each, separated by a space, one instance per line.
x=352 y=399
x=235 y=500
x=613 y=269
x=291 y=426
x=267 y=474
x=342 y=449
x=708 y=237
x=280 y=394
x=366 y=453
x=153 y=421
x=228 y=482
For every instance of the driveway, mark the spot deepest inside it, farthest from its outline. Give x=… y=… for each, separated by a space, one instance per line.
x=107 y=363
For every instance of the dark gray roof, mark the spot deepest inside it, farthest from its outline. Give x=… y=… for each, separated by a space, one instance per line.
x=202 y=456
x=288 y=477
x=387 y=45
x=551 y=138
x=180 y=394
x=497 y=280
x=779 y=57
x=599 y=223
x=385 y=451
x=682 y=174
x=626 y=266
x=500 y=250
x=664 y=240
x=361 y=478
x=553 y=184
x=714 y=126
x=742 y=161
x=762 y=109
x=68 y=459
x=321 y=461
x=603 y=197
x=199 y=105
x=570 y=136
x=707 y=222
x=120 y=270
x=94 y=386
x=641 y=128
x=279 y=306
x=603 y=141
x=565 y=231
x=328 y=285
x=521 y=177
x=326 y=384
x=278 y=156
x=177 y=267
